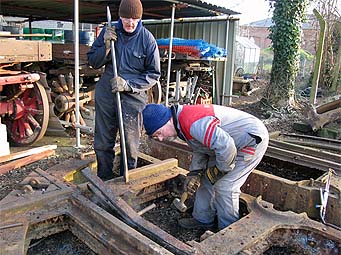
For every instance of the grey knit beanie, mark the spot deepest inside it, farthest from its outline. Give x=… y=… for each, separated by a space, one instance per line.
x=130 y=9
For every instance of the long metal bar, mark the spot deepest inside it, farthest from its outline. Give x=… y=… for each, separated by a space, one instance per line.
x=76 y=29
x=170 y=53
x=302 y=159
x=325 y=155
x=119 y=106
x=177 y=86
x=312 y=141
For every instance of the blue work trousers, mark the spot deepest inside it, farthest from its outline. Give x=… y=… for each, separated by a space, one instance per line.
x=107 y=127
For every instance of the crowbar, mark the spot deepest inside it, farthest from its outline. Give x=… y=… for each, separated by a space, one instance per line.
x=119 y=107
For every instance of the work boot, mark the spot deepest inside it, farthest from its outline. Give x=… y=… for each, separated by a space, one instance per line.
x=191 y=223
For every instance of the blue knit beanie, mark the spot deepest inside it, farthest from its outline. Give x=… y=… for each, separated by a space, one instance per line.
x=155 y=116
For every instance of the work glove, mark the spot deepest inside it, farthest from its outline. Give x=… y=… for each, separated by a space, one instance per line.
x=118 y=84
x=109 y=34
x=192 y=181
x=213 y=174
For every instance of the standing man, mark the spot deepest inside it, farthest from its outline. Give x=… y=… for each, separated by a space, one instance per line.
x=227 y=145
x=138 y=68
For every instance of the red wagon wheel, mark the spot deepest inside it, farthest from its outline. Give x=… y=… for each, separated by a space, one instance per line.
x=30 y=121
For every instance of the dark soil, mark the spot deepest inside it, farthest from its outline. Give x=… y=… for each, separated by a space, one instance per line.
x=165 y=215
x=274 y=119
x=63 y=243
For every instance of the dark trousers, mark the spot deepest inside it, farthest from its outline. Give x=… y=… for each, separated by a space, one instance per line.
x=107 y=128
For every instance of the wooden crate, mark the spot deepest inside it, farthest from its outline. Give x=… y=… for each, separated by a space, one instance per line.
x=24 y=51
x=66 y=51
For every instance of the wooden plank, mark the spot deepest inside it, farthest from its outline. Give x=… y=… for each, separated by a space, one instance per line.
x=144 y=171
x=25 y=161
x=25 y=35
x=24 y=51
x=25 y=153
x=69 y=168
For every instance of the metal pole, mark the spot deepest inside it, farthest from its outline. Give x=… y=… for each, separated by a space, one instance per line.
x=119 y=107
x=177 y=86
x=170 y=54
x=76 y=26
x=225 y=63
x=228 y=65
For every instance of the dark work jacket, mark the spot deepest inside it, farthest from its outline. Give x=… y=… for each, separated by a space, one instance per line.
x=137 y=60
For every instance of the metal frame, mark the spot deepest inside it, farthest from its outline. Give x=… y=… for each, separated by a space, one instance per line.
x=54 y=206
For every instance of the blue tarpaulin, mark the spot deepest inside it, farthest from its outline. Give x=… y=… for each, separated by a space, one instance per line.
x=206 y=50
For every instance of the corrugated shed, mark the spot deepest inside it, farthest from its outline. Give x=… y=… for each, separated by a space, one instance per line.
x=214 y=31
x=94 y=11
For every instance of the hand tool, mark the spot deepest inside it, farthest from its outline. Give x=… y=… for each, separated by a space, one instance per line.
x=180 y=203
x=191 y=184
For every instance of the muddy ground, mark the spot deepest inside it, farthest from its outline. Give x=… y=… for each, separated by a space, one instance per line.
x=164 y=215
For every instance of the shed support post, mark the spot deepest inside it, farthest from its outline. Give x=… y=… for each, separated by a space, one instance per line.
x=229 y=66
x=170 y=54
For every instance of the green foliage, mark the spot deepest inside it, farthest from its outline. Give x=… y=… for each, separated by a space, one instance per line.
x=305 y=54
x=306 y=60
x=267 y=56
x=285 y=34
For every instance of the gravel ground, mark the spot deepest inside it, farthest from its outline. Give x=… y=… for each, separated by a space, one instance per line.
x=10 y=180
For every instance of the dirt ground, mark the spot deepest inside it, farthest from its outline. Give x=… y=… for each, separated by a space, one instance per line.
x=275 y=121
x=163 y=214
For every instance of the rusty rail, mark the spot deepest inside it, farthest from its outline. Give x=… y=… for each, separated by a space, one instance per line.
x=310 y=141
x=133 y=219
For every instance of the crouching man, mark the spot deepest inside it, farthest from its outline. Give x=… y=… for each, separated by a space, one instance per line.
x=227 y=145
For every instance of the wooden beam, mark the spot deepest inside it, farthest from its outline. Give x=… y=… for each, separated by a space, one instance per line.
x=25 y=35
x=25 y=161
x=26 y=153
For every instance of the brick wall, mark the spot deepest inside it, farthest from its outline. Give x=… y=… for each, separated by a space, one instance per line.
x=260 y=36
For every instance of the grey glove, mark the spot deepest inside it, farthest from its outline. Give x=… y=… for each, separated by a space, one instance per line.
x=213 y=174
x=110 y=34
x=118 y=84
x=192 y=181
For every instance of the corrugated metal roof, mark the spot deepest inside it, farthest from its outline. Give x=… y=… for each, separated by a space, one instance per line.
x=94 y=11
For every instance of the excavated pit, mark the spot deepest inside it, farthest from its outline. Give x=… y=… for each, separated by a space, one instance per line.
x=278 y=214
x=61 y=243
